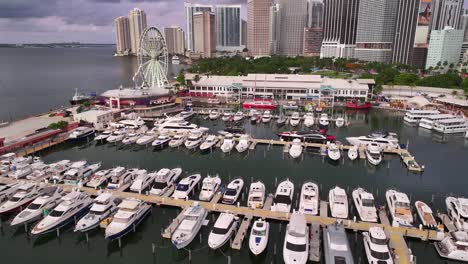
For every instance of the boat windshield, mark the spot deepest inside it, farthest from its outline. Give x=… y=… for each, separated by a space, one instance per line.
x=367 y=202
x=378 y=241
x=296 y=247
x=182 y=187
x=283 y=199
x=340 y=260
x=96 y=212
x=15 y=199
x=120 y=220
x=115 y=180
x=256 y=199
x=56 y=213
x=380 y=255
x=259 y=232
x=34 y=206
x=159 y=185
x=230 y=192
x=375 y=155
x=219 y=231
x=402 y=205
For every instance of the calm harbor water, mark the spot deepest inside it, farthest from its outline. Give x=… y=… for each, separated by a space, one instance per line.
x=444 y=157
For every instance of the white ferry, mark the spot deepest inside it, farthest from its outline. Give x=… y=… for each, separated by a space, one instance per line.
x=451 y=126
x=414 y=116
x=428 y=122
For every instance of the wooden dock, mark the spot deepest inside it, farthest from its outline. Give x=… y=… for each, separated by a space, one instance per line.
x=314 y=244
x=42 y=145
x=242 y=232
x=383 y=216
x=323 y=209
x=268 y=202
x=173 y=225
x=400 y=248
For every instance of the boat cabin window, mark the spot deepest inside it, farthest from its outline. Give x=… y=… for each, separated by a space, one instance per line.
x=283 y=199
x=380 y=255
x=115 y=180
x=296 y=247
x=222 y=231
x=378 y=241
x=259 y=232
x=368 y=202
x=120 y=220
x=56 y=213
x=15 y=199
x=182 y=187
x=256 y=199
x=96 y=212
x=339 y=260
x=34 y=206
x=159 y=185
x=230 y=192
x=402 y=205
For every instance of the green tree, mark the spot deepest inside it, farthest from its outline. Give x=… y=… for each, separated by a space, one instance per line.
x=59 y=125
x=405 y=79
x=181 y=79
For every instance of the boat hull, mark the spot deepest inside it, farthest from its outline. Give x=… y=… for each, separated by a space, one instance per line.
x=351 y=105
x=130 y=227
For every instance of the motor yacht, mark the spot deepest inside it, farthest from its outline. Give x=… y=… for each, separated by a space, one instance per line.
x=283 y=197
x=48 y=198
x=339 y=122
x=73 y=169
x=104 y=135
x=399 y=207
x=413 y=116
x=174 y=127
x=228 y=143
x=147 y=138
x=187 y=113
x=58 y=169
x=117 y=136
x=376 y=246
x=295 y=119
x=233 y=191
x=296 y=241
x=428 y=122
x=214 y=114
x=20 y=198
x=336 y=245
x=457 y=210
x=76 y=176
x=324 y=121
x=132 y=137
x=309 y=119
x=333 y=152
x=227 y=116
x=454 y=246
x=338 y=202
x=186 y=186
x=103 y=206
x=20 y=171
x=7 y=190
x=353 y=153
x=194 y=139
x=98 y=179
x=40 y=171
x=259 y=234
x=425 y=214
x=384 y=140
x=143 y=181
x=224 y=228
x=81 y=133
x=178 y=140
x=161 y=141
x=165 y=178
x=451 y=126
x=189 y=227
x=210 y=185
x=244 y=143
x=374 y=154
x=309 y=201
x=116 y=172
x=209 y=143
x=132 y=123
x=295 y=151
x=238 y=116
x=259 y=104
x=129 y=215
x=365 y=205
x=306 y=136
x=256 y=196
x=266 y=117
x=72 y=206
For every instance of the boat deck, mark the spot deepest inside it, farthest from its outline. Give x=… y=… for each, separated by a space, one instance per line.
x=173 y=225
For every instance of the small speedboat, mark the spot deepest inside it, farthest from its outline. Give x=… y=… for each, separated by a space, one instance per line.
x=333 y=152
x=117 y=136
x=425 y=214
x=146 y=139
x=23 y=195
x=209 y=143
x=186 y=186
x=223 y=229
x=365 y=205
x=129 y=215
x=296 y=241
x=238 y=116
x=374 y=154
x=194 y=139
x=336 y=244
x=309 y=119
x=233 y=190
x=214 y=114
x=376 y=246
x=228 y=143
x=256 y=196
x=142 y=181
x=399 y=207
x=353 y=153
x=103 y=136
x=309 y=201
x=161 y=141
x=339 y=122
x=210 y=186
x=227 y=116
x=103 y=206
x=266 y=117
x=338 y=202
x=324 y=121
x=244 y=143
x=295 y=119
x=165 y=178
x=178 y=140
x=283 y=197
x=259 y=234
x=296 y=148
x=189 y=227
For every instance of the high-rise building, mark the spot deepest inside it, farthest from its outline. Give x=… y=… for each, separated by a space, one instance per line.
x=421 y=38
x=405 y=29
x=175 y=40
x=465 y=34
x=137 y=22
x=313 y=33
x=376 y=30
x=340 y=27
x=190 y=10
x=258 y=30
x=228 y=27
x=204 y=33
x=122 y=32
x=274 y=28
x=292 y=20
x=446 y=13
x=444 y=46
x=243 y=33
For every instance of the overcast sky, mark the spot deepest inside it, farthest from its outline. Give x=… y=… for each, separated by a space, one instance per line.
x=86 y=21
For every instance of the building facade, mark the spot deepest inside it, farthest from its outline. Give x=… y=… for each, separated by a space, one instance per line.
x=243 y=33
x=421 y=38
x=340 y=28
x=405 y=30
x=228 y=27
x=465 y=34
x=274 y=28
x=204 y=33
x=444 y=46
x=190 y=10
x=122 y=32
x=175 y=40
x=313 y=33
x=446 y=13
x=137 y=22
x=258 y=30
x=376 y=30
x=292 y=20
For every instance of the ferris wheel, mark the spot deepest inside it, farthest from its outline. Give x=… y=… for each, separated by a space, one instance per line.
x=152 y=60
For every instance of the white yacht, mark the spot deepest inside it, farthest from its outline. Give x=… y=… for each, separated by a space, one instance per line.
x=244 y=143
x=104 y=135
x=399 y=207
x=353 y=153
x=336 y=245
x=457 y=210
x=178 y=140
x=339 y=122
x=82 y=174
x=71 y=206
x=374 y=154
x=296 y=241
x=365 y=205
x=174 y=127
x=20 y=171
x=123 y=181
x=164 y=179
x=210 y=186
x=383 y=139
x=233 y=191
x=130 y=213
x=428 y=122
x=132 y=123
x=295 y=119
x=324 y=121
x=146 y=138
x=48 y=199
x=194 y=139
x=256 y=196
x=214 y=114
x=227 y=116
x=189 y=226
x=57 y=169
x=376 y=246
x=413 y=116
x=238 y=116
x=186 y=186
x=451 y=126
x=209 y=143
x=143 y=181
x=22 y=196
x=186 y=114
x=7 y=190
x=259 y=233
x=425 y=214
x=295 y=151
x=333 y=152
x=132 y=137
x=99 y=178
x=224 y=228
x=81 y=133
x=283 y=197
x=40 y=171
x=454 y=246
x=117 y=136
x=309 y=201
x=103 y=206
x=266 y=117
x=161 y=141
x=228 y=143
x=338 y=202
x=309 y=119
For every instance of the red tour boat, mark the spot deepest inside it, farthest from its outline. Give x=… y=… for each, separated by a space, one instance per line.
x=358 y=105
x=259 y=104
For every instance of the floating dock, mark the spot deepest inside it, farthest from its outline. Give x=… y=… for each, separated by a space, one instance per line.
x=242 y=232
x=314 y=244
